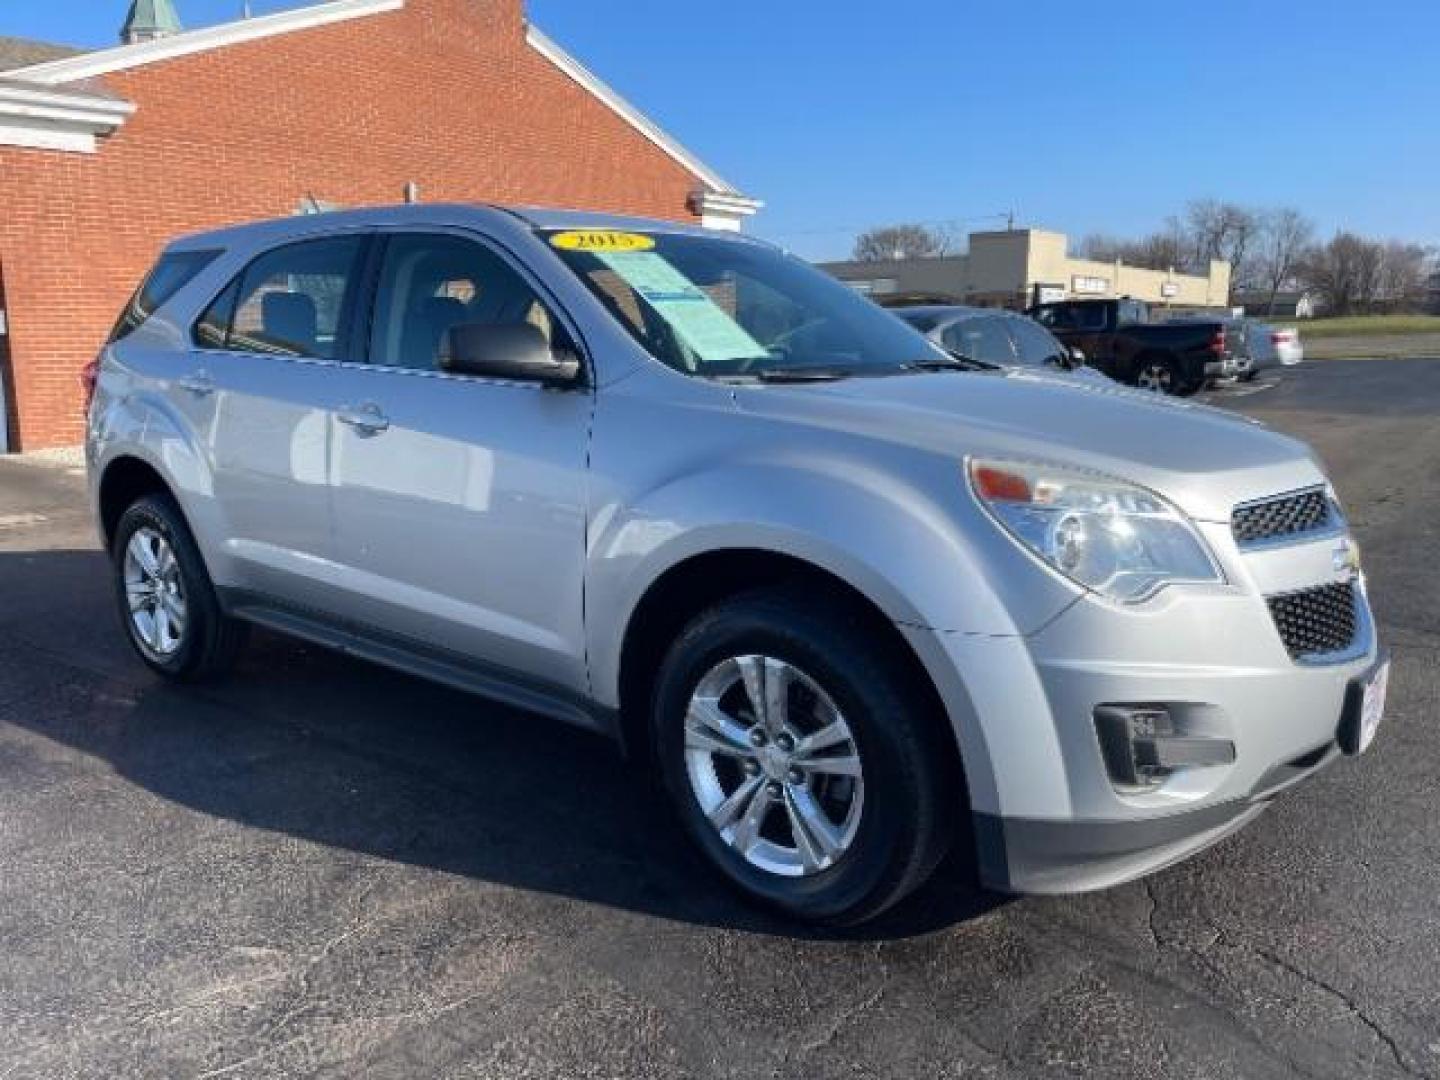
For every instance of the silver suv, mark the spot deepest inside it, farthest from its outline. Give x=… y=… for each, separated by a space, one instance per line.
x=856 y=600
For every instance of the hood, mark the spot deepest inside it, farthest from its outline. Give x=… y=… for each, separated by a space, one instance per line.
x=1203 y=459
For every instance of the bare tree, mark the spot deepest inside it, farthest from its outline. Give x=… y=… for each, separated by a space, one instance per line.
x=1101 y=247
x=1158 y=251
x=1401 y=277
x=900 y=242
x=1284 y=236
x=1345 y=272
x=1220 y=231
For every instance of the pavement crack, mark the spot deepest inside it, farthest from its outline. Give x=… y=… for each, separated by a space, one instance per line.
x=1149 y=887
x=848 y=1016
x=1345 y=999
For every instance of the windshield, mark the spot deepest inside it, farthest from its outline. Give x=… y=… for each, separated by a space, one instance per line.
x=716 y=307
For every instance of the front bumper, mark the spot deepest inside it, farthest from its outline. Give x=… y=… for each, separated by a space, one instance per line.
x=1048 y=816
x=1036 y=856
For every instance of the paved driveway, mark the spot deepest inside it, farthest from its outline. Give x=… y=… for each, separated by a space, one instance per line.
x=322 y=868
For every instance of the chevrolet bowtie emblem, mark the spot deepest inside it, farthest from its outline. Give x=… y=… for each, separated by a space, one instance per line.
x=1346 y=560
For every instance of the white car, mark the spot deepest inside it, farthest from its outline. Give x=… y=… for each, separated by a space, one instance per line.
x=1271 y=347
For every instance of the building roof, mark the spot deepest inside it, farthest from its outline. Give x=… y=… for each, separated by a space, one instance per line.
x=22 y=52
x=716 y=194
x=150 y=18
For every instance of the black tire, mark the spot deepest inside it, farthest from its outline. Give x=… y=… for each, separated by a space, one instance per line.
x=1161 y=373
x=912 y=787
x=211 y=640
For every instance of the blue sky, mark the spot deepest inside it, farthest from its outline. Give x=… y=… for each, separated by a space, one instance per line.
x=1081 y=117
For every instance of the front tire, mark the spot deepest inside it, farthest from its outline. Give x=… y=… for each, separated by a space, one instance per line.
x=166 y=598
x=800 y=758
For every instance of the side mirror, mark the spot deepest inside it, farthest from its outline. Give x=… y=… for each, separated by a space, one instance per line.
x=506 y=351
x=1074 y=358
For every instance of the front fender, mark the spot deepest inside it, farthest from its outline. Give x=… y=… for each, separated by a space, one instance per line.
x=900 y=546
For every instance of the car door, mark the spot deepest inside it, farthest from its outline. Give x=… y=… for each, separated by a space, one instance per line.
x=268 y=351
x=459 y=501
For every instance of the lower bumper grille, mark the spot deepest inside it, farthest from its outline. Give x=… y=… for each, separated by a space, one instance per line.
x=1317 y=622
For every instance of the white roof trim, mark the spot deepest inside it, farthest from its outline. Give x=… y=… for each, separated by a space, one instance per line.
x=631 y=115
x=124 y=57
x=46 y=119
x=41 y=101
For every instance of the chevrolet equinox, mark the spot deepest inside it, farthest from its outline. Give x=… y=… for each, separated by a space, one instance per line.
x=854 y=598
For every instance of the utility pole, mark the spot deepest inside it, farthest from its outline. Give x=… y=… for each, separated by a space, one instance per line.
x=245 y=10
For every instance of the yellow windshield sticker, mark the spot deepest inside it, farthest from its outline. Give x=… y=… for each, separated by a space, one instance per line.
x=602 y=240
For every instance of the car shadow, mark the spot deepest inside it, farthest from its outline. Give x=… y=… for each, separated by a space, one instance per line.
x=310 y=744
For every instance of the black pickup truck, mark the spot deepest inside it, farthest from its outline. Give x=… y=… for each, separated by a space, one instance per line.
x=1119 y=339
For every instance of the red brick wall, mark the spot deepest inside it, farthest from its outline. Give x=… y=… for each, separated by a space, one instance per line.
x=443 y=92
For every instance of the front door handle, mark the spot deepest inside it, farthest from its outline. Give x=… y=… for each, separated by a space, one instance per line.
x=200 y=384
x=365 y=419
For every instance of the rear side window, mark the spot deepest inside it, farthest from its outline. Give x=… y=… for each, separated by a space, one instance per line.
x=171 y=274
x=292 y=301
x=1133 y=313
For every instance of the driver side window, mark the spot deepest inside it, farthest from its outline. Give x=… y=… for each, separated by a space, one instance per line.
x=432 y=283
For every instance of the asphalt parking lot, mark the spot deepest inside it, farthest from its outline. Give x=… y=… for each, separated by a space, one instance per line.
x=322 y=868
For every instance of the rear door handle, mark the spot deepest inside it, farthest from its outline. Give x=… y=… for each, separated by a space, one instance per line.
x=200 y=384
x=365 y=419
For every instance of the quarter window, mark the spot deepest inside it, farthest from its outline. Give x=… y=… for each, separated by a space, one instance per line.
x=289 y=302
x=171 y=274
x=430 y=284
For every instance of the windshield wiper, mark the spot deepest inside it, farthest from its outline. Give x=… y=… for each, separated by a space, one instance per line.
x=954 y=362
x=803 y=374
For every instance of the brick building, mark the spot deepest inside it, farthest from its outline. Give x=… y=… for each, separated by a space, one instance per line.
x=105 y=155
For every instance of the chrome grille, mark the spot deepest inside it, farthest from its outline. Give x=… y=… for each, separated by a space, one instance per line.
x=1317 y=622
x=1284 y=516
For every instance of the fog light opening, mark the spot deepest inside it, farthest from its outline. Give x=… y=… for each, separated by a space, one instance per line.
x=1143 y=748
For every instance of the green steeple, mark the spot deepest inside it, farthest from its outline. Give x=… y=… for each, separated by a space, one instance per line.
x=149 y=19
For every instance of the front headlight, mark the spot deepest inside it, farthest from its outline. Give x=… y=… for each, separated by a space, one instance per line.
x=1113 y=538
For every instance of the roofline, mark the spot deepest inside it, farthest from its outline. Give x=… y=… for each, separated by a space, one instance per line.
x=123 y=57
x=718 y=195
x=630 y=114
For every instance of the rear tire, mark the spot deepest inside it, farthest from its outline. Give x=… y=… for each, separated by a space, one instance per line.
x=167 y=601
x=850 y=822
x=1161 y=374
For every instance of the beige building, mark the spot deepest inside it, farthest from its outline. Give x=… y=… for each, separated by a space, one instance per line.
x=1018 y=267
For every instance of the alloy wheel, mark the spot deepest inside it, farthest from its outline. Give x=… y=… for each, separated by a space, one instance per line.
x=774 y=766
x=155 y=592
x=1156 y=377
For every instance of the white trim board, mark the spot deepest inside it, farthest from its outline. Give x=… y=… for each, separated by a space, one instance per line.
x=124 y=57
x=46 y=119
